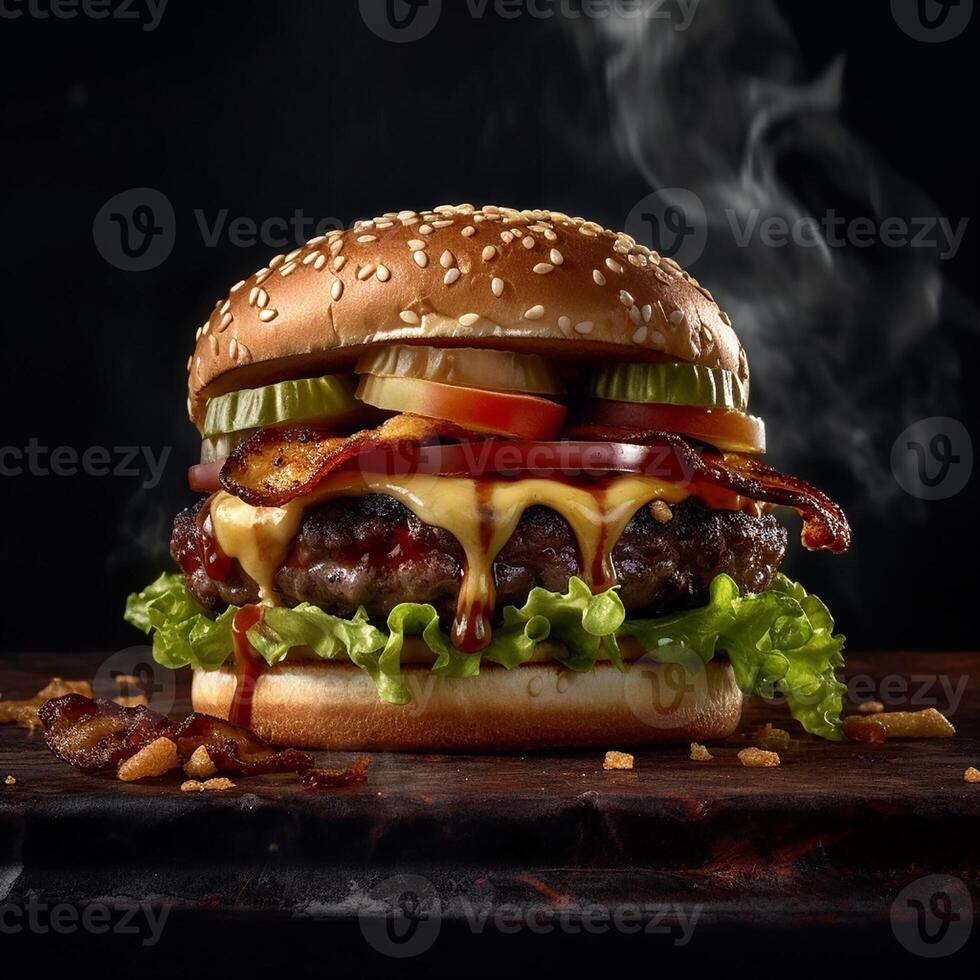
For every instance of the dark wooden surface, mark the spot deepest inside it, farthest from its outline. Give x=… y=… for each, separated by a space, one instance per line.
x=832 y=835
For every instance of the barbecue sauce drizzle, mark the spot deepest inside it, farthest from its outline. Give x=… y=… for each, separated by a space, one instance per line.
x=248 y=665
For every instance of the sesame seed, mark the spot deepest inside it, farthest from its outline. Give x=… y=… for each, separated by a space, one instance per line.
x=213 y=341
x=551 y=236
x=266 y=315
x=556 y=257
x=677 y=317
x=233 y=348
x=588 y=232
x=226 y=306
x=238 y=285
x=317 y=240
x=527 y=241
x=497 y=286
x=451 y=276
x=726 y=319
x=468 y=319
x=262 y=299
x=506 y=237
x=447 y=259
x=469 y=231
x=657 y=339
x=647 y=311
x=598 y=277
x=338 y=262
x=225 y=322
x=321 y=261
x=564 y=322
x=383 y=273
x=205 y=327
x=416 y=243
x=626 y=298
x=364 y=239
x=292 y=255
x=383 y=224
x=489 y=252
x=534 y=313
x=614 y=266
x=584 y=327
x=635 y=315
x=253 y=295
x=543 y=268
x=425 y=229
x=442 y=224
x=336 y=289
x=262 y=275
x=407 y=316
x=421 y=259
x=312 y=257
x=366 y=271
x=405 y=215
x=287 y=268
x=190 y=357
x=336 y=246
x=276 y=261
x=640 y=335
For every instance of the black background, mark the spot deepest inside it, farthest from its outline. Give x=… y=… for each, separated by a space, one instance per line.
x=264 y=109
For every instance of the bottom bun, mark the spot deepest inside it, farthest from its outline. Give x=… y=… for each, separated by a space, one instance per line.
x=533 y=706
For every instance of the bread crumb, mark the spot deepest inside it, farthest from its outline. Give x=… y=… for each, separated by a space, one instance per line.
x=617 y=760
x=11 y=781
x=199 y=765
x=661 y=512
x=214 y=785
x=770 y=738
x=758 y=758
x=927 y=723
x=699 y=753
x=155 y=759
x=972 y=775
x=871 y=707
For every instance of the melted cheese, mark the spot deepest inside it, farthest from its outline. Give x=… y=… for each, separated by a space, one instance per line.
x=481 y=515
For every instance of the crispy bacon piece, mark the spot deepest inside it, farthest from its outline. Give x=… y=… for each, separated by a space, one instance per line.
x=331 y=778
x=276 y=465
x=824 y=523
x=99 y=734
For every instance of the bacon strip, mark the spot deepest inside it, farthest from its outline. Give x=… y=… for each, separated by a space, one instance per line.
x=824 y=523
x=99 y=734
x=274 y=466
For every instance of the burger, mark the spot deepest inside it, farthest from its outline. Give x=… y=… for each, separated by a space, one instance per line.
x=485 y=479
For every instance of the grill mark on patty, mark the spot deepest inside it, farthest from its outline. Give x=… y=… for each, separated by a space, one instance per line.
x=372 y=551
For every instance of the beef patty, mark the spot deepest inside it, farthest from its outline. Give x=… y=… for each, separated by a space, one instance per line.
x=374 y=552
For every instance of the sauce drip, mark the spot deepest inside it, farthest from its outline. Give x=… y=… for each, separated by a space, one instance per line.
x=248 y=666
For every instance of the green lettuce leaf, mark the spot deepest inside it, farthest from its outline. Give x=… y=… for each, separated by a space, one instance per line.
x=780 y=641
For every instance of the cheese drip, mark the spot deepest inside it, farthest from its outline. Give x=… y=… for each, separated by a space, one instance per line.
x=480 y=514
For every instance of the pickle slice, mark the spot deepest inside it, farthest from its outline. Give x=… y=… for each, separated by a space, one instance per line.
x=669 y=384
x=325 y=398
x=222 y=445
x=464 y=367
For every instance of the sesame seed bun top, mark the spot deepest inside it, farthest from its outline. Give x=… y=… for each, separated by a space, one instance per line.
x=535 y=281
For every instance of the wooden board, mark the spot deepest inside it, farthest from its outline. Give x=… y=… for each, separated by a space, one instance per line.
x=833 y=834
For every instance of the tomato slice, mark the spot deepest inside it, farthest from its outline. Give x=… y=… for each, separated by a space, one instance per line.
x=523 y=416
x=728 y=430
x=204 y=476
